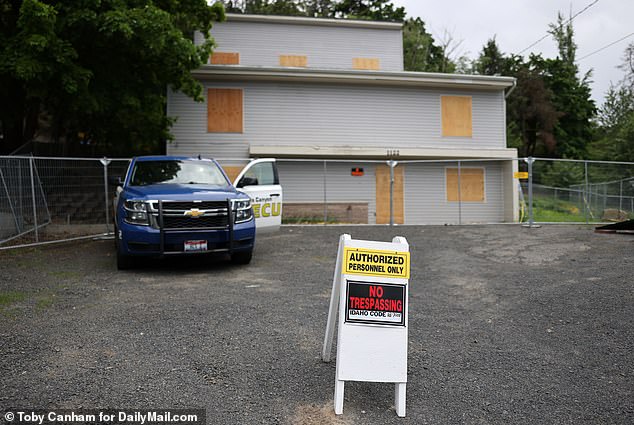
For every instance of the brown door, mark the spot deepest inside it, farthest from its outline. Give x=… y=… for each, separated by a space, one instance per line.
x=383 y=194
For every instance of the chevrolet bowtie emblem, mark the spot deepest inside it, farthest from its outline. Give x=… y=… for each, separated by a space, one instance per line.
x=194 y=213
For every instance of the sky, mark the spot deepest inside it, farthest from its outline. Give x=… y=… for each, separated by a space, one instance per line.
x=516 y=24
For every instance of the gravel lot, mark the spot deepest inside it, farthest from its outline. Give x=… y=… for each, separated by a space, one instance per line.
x=507 y=325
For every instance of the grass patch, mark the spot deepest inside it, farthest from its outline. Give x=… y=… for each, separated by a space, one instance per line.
x=44 y=302
x=546 y=209
x=307 y=220
x=65 y=274
x=7 y=298
x=10 y=297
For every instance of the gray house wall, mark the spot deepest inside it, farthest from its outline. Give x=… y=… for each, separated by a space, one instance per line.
x=261 y=43
x=304 y=182
x=336 y=115
x=426 y=200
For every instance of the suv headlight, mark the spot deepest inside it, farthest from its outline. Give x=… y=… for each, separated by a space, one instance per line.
x=242 y=210
x=136 y=213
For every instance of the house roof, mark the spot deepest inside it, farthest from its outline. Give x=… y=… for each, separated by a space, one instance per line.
x=342 y=76
x=301 y=20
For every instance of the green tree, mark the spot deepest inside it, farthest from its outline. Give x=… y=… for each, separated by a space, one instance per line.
x=375 y=10
x=491 y=60
x=99 y=68
x=420 y=53
x=531 y=109
x=571 y=94
x=530 y=113
x=615 y=136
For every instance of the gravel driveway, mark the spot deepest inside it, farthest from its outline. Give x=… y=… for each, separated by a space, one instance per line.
x=507 y=325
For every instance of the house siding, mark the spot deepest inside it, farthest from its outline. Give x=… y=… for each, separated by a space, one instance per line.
x=304 y=182
x=261 y=43
x=426 y=199
x=335 y=115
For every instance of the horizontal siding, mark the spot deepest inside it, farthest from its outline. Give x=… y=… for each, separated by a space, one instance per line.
x=304 y=182
x=260 y=44
x=426 y=200
x=335 y=115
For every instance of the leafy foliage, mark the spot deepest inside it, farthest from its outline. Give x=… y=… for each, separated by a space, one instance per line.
x=98 y=68
x=420 y=53
x=551 y=111
x=615 y=139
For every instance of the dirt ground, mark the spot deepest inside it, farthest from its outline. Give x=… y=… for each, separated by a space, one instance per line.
x=506 y=325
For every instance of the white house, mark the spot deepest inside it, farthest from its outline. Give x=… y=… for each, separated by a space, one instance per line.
x=305 y=88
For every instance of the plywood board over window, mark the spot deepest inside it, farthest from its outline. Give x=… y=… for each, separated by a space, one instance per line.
x=232 y=171
x=365 y=63
x=294 y=60
x=225 y=58
x=224 y=110
x=456 y=116
x=471 y=184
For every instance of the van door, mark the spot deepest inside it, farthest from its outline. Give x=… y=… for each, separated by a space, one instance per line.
x=259 y=180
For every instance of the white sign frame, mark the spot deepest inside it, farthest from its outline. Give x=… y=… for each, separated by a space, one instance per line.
x=383 y=348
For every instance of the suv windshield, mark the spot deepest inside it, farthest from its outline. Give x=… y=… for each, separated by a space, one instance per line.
x=177 y=172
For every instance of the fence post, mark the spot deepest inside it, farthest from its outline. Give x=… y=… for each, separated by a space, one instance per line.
x=105 y=162
x=530 y=161
x=459 y=192
x=586 y=200
x=37 y=233
x=620 y=198
x=325 y=194
x=13 y=211
x=391 y=193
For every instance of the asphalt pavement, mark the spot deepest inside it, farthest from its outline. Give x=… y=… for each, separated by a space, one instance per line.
x=506 y=325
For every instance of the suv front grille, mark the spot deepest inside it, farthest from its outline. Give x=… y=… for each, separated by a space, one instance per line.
x=188 y=205
x=179 y=215
x=183 y=222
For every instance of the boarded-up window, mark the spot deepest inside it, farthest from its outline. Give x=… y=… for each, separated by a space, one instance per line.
x=471 y=184
x=225 y=58
x=224 y=110
x=232 y=171
x=365 y=63
x=294 y=60
x=456 y=116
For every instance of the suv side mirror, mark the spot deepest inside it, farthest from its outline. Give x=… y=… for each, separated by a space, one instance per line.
x=248 y=181
x=115 y=181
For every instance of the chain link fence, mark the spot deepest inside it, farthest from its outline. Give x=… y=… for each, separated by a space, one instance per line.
x=45 y=199
x=579 y=191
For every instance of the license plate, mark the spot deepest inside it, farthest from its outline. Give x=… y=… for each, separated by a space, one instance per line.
x=192 y=246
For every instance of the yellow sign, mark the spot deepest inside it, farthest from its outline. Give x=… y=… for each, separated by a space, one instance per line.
x=375 y=262
x=520 y=174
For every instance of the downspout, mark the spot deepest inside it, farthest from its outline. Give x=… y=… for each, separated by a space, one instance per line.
x=508 y=93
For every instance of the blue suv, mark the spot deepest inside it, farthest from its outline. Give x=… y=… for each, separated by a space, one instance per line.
x=172 y=205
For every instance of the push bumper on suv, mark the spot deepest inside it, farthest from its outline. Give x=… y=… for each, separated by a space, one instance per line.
x=173 y=225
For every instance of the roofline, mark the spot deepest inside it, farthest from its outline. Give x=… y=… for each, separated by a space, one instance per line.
x=326 y=22
x=381 y=78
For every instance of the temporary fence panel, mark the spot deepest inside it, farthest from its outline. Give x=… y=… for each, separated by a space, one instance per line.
x=582 y=191
x=454 y=192
x=72 y=197
x=23 y=207
x=329 y=191
x=46 y=198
